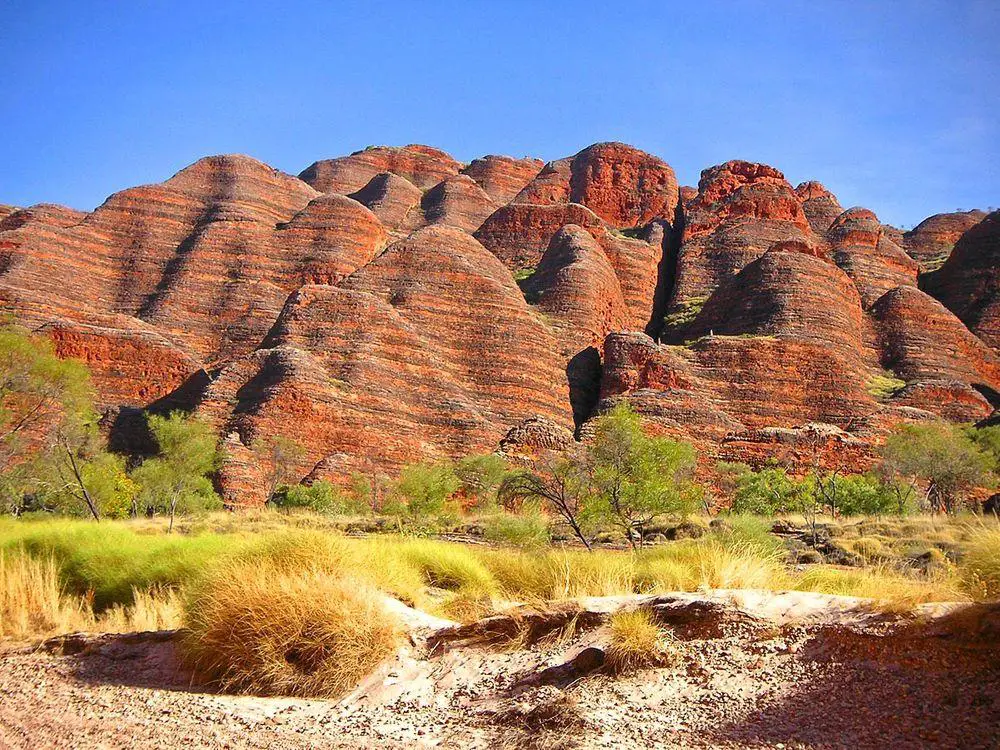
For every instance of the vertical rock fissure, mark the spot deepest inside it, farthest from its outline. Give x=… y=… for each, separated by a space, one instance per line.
x=667 y=273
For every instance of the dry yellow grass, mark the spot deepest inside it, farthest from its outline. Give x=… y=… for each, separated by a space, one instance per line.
x=637 y=642
x=882 y=583
x=32 y=602
x=34 y=605
x=689 y=566
x=150 y=610
x=980 y=570
x=256 y=628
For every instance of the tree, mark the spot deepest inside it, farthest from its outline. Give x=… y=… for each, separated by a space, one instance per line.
x=424 y=488
x=638 y=477
x=370 y=490
x=480 y=476
x=768 y=491
x=176 y=479
x=321 y=497
x=558 y=481
x=47 y=420
x=281 y=456
x=869 y=495
x=108 y=485
x=39 y=393
x=942 y=456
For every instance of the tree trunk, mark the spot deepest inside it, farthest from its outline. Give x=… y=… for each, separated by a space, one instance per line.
x=173 y=511
x=83 y=487
x=578 y=532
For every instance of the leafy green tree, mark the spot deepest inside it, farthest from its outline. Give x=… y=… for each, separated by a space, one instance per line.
x=177 y=479
x=47 y=420
x=425 y=488
x=320 y=497
x=637 y=477
x=370 y=491
x=39 y=395
x=867 y=495
x=108 y=484
x=768 y=491
x=943 y=457
x=480 y=476
x=987 y=439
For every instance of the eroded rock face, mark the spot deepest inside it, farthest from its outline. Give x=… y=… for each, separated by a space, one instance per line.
x=578 y=289
x=458 y=201
x=519 y=233
x=969 y=281
x=370 y=310
x=394 y=200
x=741 y=210
x=820 y=206
x=931 y=241
x=725 y=384
x=421 y=165
x=862 y=248
x=622 y=185
x=501 y=176
x=395 y=365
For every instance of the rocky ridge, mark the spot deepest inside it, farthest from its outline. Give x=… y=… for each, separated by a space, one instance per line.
x=396 y=305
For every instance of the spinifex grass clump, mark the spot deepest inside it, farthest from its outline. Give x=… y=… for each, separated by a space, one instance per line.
x=106 y=562
x=638 y=642
x=981 y=566
x=32 y=601
x=33 y=604
x=883 y=583
x=255 y=628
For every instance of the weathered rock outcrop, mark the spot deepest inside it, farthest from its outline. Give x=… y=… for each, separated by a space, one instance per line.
x=394 y=200
x=870 y=258
x=931 y=241
x=394 y=366
x=741 y=210
x=946 y=367
x=370 y=310
x=724 y=384
x=519 y=233
x=501 y=176
x=458 y=201
x=820 y=206
x=577 y=288
x=422 y=165
x=969 y=281
x=622 y=185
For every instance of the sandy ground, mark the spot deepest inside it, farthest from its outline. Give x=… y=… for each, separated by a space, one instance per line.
x=739 y=682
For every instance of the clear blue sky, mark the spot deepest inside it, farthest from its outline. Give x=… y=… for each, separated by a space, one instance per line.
x=893 y=105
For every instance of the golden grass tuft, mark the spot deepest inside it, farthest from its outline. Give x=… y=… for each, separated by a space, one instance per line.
x=980 y=568
x=869 y=547
x=257 y=629
x=689 y=566
x=638 y=642
x=33 y=604
x=883 y=583
x=150 y=610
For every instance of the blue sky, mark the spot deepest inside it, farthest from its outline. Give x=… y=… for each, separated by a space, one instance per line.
x=893 y=105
